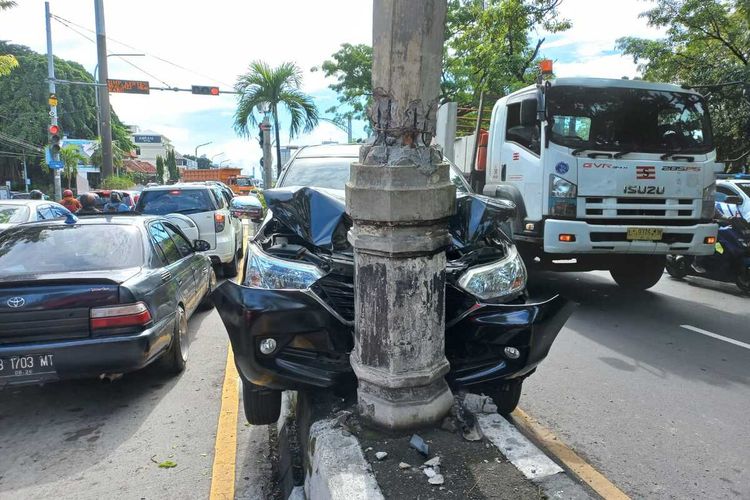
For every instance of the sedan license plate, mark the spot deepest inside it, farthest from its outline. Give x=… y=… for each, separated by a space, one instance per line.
x=644 y=234
x=28 y=368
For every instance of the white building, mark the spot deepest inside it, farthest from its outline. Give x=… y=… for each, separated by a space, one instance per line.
x=150 y=144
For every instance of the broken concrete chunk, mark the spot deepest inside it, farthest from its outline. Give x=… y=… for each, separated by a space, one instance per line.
x=381 y=455
x=449 y=424
x=429 y=472
x=418 y=444
x=472 y=432
x=433 y=462
x=437 y=479
x=404 y=465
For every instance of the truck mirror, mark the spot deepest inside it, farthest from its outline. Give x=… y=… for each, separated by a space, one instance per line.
x=528 y=112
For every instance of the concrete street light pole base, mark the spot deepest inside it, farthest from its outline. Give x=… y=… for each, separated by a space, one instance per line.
x=399 y=236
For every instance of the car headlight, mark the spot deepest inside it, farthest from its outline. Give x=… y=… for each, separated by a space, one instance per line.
x=562 y=197
x=498 y=279
x=708 y=206
x=265 y=271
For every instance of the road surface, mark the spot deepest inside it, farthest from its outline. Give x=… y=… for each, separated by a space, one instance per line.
x=642 y=387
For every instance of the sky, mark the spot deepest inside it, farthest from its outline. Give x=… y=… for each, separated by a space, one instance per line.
x=210 y=43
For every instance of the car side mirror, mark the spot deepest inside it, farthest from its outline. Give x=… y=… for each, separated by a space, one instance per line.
x=528 y=113
x=733 y=200
x=201 y=245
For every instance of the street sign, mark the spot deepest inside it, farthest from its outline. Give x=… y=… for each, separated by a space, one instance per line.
x=128 y=86
x=52 y=100
x=55 y=164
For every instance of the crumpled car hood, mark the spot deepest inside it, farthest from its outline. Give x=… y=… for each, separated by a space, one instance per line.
x=315 y=214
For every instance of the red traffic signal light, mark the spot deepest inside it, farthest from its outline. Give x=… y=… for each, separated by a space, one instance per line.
x=205 y=90
x=54 y=129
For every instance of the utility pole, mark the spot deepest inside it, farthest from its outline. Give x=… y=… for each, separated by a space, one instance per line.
x=400 y=198
x=265 y=127
x=52 y=107
x=26 y=176
x=105 y=118
x=349 y=129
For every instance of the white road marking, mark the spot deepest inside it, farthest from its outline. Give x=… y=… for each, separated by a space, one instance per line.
x=715 y=335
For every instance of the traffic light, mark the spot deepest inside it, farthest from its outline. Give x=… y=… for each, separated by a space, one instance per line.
x=203 y=90
x=55 y=139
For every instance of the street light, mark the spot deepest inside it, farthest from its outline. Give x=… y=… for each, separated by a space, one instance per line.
x=222 y=162
x=96 y=94
x=200 y=146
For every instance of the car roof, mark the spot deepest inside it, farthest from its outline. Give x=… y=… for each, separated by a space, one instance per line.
x=329 y=151
x=26 y=203
x=180 y=185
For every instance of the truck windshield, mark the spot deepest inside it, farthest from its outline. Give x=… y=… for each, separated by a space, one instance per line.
x=244 y=182
x=628 y=119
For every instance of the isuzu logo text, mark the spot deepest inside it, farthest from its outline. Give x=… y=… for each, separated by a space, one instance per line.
x=644 y=190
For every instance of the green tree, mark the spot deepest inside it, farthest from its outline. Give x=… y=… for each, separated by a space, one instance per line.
x=351 y=66
x=171 y=164
x=118 y=155
x=707 y=43
x=263 y=85
x=160 y=169
x=7 y=61
x=71 y=157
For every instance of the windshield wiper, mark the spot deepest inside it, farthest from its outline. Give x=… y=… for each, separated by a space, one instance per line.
x=578 y=151
x=675 y=156
x=620 y=154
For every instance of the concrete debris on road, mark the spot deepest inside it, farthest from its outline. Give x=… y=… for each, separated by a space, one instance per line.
x=404 y=466
x=381 y=455
x=432 y=462
x=429 y=472
x=418 y=444
x=436 y=480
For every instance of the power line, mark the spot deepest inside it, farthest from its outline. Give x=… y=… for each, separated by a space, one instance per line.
x=64 y=23
x=147 y=53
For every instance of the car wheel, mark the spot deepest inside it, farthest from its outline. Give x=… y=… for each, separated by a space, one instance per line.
x=176 y=356
x=638 y=272
x=506 y=396
x=262 y=406
x=230 y=269
x=208 y=303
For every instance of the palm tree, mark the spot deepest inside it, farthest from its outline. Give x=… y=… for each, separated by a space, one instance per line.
x=71 y=156
x=263 y=86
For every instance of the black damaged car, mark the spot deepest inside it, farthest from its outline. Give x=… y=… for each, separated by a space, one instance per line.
x=291 y=317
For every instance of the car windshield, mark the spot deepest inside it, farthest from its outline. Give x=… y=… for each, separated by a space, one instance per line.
x=333 y=173
x=628 y=119
x=64 y=248
x=183 y=201
x=13 y=214
x=243 y=201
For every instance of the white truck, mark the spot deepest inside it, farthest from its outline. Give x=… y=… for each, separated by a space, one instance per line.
x=606 y=174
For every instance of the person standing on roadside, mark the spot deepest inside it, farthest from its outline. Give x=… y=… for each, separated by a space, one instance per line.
x=88 y=205
x=69 y=201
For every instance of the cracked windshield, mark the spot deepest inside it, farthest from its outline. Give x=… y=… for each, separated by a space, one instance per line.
x=375 y=249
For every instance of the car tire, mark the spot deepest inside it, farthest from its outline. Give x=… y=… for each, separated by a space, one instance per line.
x=262 y=406
x=229 y=270
x=208 y=302
x=506 y=396
x=175 y=359
x=638 y=272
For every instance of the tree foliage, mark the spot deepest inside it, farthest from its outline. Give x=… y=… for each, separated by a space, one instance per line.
x=160 y=169
x=351 y=66
x=24 y=112
x=7 y=61
x=202 y=161
x=707 y=43
x=71 y=157
x=171 y=164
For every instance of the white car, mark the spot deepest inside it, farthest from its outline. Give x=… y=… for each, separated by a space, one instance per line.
x=738 y=188
x=202 y=212
x=14 y=212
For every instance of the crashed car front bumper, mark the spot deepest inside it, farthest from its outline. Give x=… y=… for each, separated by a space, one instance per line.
x=313 y=342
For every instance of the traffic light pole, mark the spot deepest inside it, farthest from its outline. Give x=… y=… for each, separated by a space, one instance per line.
x=105 y=118
x=51 y=77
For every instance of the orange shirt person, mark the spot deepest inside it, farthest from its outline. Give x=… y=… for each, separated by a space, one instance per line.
x=69 y=201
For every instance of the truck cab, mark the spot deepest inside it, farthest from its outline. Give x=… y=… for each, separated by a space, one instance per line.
x=606 y=174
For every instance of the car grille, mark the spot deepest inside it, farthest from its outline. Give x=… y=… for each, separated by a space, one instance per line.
x=338 y=292
x=672 y=208
x=40 y=326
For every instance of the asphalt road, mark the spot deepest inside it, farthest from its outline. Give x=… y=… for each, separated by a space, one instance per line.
x=96 y=439
x=663 y=411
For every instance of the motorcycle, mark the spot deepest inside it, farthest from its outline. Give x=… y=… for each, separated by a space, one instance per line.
x=730 y=261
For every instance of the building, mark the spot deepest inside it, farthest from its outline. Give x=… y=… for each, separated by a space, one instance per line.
x=150 y=144
x=286 y=154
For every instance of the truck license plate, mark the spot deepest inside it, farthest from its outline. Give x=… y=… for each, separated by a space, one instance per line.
x=644 y=234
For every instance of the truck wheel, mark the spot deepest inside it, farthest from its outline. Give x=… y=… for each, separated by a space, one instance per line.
x=677 y=267
x=638 y=272
x=506 y=396
x=262 y=406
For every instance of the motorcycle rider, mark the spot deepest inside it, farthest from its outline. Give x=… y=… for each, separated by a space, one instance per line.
x=35 y=194
x=115 y=203
x=69 y=201
x=88 y=205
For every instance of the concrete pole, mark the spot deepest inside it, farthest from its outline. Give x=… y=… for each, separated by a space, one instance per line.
x=52 y=108
x=265 y=127
x=105 y=118
x=400 y=198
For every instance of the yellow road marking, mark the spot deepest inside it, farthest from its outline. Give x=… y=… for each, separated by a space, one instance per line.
x=568 y=457
x=225 y=449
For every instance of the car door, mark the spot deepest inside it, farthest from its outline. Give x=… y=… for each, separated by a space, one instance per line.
x=176 y=266
x=197 y=263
